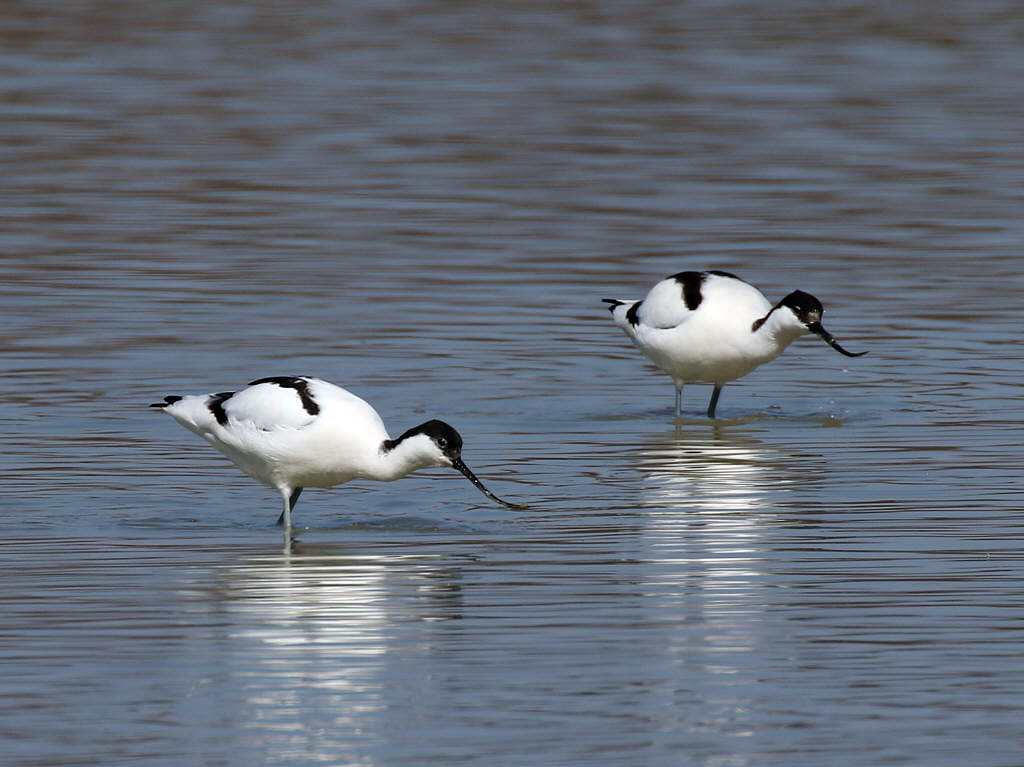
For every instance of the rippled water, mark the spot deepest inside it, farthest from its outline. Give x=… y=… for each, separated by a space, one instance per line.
x=426 y=203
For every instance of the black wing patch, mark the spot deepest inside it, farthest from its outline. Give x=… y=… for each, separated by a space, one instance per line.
x=300 y=384
x=691 y=282
x=215 y=404
x=631 y=314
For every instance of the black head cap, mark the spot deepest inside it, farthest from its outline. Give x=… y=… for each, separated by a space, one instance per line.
x=806 y=307
x=443 y=435
x=450 y=443
x=808 y=310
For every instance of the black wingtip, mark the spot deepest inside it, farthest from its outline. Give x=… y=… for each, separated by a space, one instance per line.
x=169 y=400
x=613 y=303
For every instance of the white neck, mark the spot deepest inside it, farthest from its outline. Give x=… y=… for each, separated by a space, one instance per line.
x=782 y=328
x=418 y=452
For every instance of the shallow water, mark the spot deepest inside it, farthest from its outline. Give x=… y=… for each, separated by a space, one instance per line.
x=426 y=204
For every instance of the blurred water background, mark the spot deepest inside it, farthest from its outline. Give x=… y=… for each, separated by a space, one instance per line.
x=425 y=202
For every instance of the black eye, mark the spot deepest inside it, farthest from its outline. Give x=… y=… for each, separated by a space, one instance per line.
x=442 y=443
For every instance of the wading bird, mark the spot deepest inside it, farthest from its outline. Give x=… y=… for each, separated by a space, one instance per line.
x=714 y=327
x=292 y=432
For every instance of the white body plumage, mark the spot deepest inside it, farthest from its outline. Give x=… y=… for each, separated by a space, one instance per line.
x=714 y=327
x=268 y=433
x=292 y=432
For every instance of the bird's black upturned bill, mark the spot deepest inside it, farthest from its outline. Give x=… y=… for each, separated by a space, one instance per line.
x=458 y=464
x=817 y=329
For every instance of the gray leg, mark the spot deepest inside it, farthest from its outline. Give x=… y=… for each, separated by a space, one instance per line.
x=289 y=504
x=679 y=401
x=714 y=401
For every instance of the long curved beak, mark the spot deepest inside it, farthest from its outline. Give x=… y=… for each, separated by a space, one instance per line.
x=817 y=329
x=458 y=464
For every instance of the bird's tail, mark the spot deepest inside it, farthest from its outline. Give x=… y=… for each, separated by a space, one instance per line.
x=612 y=303
x=196 y=412
x=168 y=400
x=623 y=313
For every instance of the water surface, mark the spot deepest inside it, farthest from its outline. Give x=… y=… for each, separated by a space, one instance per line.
x=426 y=203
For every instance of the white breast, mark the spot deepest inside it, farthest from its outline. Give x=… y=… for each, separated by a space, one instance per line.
x=713 y=342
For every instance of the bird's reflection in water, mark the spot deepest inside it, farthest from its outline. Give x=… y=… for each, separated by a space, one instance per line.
x=707 y=495
x=716 y=470
x=713 y=500
x=315 y=651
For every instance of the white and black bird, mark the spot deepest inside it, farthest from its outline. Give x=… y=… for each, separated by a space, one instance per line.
x=714 y=327
x=293 y=432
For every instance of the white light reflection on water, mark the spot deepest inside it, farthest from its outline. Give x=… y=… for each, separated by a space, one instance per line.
x=316 y=649
x=715 y=497
x=717 y=470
